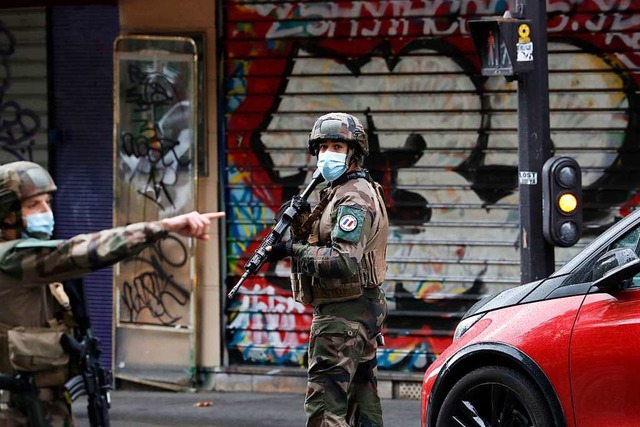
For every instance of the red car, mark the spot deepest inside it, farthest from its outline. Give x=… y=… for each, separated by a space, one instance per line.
x=562 y=351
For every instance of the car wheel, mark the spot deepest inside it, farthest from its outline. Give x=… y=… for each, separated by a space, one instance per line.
x=494 y=396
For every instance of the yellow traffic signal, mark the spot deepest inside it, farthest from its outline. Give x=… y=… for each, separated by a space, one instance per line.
x=561 y=201
x=567 y=203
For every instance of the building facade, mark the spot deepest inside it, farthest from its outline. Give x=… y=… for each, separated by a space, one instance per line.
x=443 y=143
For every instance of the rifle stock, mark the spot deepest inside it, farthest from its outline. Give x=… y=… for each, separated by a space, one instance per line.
x=259 y=257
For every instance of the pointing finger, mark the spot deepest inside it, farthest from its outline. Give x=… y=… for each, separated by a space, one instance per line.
x=213 y=215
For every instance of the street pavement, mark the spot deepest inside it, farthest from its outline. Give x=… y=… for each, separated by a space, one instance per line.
x=142 y=408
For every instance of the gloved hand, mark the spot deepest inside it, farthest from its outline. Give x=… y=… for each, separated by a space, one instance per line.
x=279 y=250
x=300 y=205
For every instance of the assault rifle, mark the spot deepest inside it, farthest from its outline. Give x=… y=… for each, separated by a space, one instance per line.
x=25 y=397
x=259 y=257
x=93 y=381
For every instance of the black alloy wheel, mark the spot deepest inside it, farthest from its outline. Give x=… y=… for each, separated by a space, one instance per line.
x=494 y=396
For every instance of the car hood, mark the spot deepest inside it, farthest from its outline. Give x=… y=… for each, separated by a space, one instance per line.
x=553 y=286
x=502 y=299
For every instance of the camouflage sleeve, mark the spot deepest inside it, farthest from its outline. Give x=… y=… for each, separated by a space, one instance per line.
x=38 y=261
x=351 y=225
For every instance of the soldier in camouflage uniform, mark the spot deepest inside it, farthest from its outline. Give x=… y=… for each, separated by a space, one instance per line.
x=338 y=268
x=29 y=261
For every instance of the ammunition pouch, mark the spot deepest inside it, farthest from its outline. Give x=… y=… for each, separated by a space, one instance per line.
x=333 y=290
x=311 y=291
x=301 y=287
x=37 y=351
x=373 y=268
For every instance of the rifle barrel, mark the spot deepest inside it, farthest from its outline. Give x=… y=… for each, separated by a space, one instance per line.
x=233 y=291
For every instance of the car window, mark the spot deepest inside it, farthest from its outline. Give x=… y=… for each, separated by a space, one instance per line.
x=631 y=240
x=585 y=272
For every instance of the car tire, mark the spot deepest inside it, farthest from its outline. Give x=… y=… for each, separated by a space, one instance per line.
x=494 y=396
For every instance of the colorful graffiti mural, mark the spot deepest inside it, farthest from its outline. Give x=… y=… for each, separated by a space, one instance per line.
x=443 y=141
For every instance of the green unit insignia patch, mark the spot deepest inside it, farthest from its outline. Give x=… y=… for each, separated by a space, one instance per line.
x=349 y=224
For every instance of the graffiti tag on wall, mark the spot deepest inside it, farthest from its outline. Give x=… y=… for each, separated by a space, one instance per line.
x=154 y=179
x=19 y=125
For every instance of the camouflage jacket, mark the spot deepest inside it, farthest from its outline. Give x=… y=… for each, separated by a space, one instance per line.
x=347 y=247
x=26 y=265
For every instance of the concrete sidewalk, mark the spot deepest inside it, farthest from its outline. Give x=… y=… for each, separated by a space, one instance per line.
x=137 y=408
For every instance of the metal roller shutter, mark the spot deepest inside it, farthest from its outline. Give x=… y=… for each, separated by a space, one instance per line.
x=23 y=86
x=82 y=138
x=443 y=141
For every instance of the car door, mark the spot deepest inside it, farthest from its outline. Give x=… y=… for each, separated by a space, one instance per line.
x=604 y=354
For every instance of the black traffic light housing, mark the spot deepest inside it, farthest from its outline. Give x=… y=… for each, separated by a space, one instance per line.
x=504 y=45
x=562 y=201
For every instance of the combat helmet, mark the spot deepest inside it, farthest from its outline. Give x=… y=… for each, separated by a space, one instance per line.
x=19 y=181
x=339 y=127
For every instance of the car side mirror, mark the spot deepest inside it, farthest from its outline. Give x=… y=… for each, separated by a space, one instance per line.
x=615 y=268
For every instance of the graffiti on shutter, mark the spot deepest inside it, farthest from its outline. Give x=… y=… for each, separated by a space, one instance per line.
x=23 y=85
x=443 y=143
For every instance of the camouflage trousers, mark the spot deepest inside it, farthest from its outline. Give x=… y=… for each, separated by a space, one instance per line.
x=56 y=412
x=342 y=386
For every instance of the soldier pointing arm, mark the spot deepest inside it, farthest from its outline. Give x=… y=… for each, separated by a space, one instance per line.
x=29 y=260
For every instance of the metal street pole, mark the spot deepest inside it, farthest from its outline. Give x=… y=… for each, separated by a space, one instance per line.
x=534 y=147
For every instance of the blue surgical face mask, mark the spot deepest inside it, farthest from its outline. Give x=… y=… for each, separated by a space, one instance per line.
x=40 y=223
x=332 y=165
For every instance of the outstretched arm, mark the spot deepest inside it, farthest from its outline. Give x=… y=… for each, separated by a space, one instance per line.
x=192 y=224
x=41 y=261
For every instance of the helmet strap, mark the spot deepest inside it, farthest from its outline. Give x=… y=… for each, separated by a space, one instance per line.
x=352 y=157
x=12 y=220
x=11 y=231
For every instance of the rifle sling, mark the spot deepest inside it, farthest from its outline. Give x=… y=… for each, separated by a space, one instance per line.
x=317 y=211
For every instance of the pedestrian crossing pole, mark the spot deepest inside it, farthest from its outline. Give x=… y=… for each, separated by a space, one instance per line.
x=515 y=46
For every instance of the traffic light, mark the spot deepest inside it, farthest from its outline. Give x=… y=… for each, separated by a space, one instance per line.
x=504 y=45
x=562 y=201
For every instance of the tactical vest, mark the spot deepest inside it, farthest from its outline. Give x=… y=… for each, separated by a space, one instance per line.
x=371 y=271
x=34 y=348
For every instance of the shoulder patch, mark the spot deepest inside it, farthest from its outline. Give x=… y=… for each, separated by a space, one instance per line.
x=37 y=243
x=349 y=222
